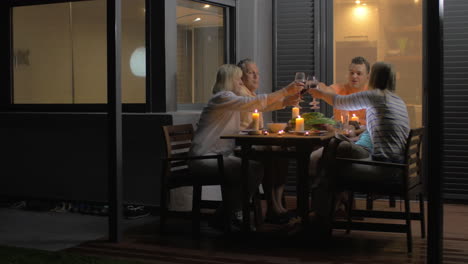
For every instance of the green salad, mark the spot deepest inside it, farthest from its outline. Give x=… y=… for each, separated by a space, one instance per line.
x=314 y=120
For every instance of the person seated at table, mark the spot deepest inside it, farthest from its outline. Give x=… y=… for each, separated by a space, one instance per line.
x=276 y=171
x=358 y=77
x=387 y=124
x=221 y=117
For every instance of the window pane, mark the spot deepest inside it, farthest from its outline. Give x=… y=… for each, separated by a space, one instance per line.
x=200 y=50
x=42 y=54
x=88 y=34
x=133 y=51
x=388 y=31
x=61 y=53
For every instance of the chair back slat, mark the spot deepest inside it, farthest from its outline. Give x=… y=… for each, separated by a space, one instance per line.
x=177 y=164
x=413 y=150
x=181 y=136
x=413 y=171
x=413 y=159
x=178 y=140
x=185 y=145
x=413 y=154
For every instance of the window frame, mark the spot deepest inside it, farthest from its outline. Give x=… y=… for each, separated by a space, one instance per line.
x=156 y=58
x=6 y=65
x=229 y=7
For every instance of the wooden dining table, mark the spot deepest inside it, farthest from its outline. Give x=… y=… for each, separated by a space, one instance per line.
x=292 y=145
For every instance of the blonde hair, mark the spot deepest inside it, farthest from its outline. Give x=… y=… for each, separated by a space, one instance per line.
x=224 y=77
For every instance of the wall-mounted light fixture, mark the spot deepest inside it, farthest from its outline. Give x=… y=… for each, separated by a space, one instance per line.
x=138 y=62
x=197 y=19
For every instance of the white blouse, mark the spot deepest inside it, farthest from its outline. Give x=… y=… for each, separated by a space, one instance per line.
x=221 y=116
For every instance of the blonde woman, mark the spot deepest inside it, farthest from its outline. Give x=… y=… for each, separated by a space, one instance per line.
x=221 y=116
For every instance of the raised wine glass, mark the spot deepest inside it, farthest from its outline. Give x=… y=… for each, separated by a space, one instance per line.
x=300 y=78
x=313 y=84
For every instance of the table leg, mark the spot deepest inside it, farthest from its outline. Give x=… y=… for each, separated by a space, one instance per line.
x=303 y=157
x=245 y=188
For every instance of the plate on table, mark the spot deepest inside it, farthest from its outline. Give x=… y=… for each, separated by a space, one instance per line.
x=311 y=132
x=251 y=132
x=299 y=132
x=318 y=132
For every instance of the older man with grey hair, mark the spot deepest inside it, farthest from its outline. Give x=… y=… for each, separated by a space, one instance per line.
x=275 y=170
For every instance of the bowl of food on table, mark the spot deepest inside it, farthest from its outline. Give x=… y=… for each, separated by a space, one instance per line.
x=275 y=127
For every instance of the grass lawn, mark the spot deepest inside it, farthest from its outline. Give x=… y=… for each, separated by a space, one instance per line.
x=12 y=255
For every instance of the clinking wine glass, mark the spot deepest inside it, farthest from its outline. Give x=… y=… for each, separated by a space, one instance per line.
x=313 y=84
x=300 y=78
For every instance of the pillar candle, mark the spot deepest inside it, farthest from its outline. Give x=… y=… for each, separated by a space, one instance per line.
x=299 y=123
x=256 y=120
x=355 y=118
x=295 y=112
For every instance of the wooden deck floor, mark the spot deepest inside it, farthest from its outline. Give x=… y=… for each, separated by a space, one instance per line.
x=271 y=245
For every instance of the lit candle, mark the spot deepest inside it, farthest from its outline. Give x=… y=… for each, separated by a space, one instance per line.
x=295 y=112
x=355 y=118
x=256 y=120
x=281 y=132
x=299 y=124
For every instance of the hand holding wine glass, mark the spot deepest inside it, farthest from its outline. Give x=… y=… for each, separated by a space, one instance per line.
x=313 y=84
x=300 y=78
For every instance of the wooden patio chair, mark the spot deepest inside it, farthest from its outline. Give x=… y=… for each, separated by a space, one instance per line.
x=407 y=186
x=176 y=173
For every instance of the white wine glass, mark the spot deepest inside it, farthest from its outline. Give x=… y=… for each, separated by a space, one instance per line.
x=300 y=78
x=313 y=84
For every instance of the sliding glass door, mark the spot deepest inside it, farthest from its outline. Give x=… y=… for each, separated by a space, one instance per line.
x=381 y=30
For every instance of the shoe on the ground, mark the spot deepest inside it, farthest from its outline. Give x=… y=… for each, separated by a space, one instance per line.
x=217 y=221
x=103 y=210
x=18 y=205
x=134 y=212
x=61 y=207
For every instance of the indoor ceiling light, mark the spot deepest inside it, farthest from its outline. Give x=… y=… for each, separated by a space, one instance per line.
x=196 y=19
x=206 y=6
x=360 y=12
x=357 y=2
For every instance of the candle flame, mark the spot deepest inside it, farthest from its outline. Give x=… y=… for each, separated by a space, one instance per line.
x=256 y=111
x=354 y=115
x=298 y=116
